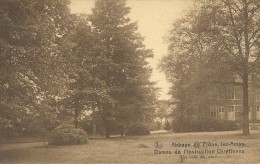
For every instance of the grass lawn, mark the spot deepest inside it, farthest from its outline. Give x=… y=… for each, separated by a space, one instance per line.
x=139 y=150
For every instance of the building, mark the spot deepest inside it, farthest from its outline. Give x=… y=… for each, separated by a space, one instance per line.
x=229 y=105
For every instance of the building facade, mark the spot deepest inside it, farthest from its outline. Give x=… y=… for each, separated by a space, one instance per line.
x=229 y=106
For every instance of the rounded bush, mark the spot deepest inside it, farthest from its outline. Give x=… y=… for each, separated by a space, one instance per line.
x=68 y=136
x=137 y=130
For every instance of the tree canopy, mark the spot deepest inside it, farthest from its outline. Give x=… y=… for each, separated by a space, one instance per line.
x=55 y=65
x=125 y=72
x=215 y=43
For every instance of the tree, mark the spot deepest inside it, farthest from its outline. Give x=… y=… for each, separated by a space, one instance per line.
x=228 y=33
x=86 y=89
x=167 y=125
x=162 y=112
x=30 y=60
x=125 y=71
x=238 y=34
x=196 y=78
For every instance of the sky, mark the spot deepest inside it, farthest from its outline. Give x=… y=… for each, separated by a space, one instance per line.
x=154 y=18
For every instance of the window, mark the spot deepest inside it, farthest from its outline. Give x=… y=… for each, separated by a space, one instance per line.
x=213 y=112
x=230 y=94
x=258 y=108
x=238 y=92
x=258 y=96
x=220 y=109
x=221 y=113
x=231 y=115
x=231 y=108
x=238 y=112
x=258 y=113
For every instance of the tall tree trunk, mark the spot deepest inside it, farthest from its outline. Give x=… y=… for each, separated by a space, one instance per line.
x=107 y=129
x=245 y=73
x=94 y=128
x=181 y=122
x=76 y=117
x=245 y=105
x=94 y=132
x=122 y=130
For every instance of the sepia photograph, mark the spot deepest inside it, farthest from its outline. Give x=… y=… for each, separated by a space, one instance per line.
x=130 y=81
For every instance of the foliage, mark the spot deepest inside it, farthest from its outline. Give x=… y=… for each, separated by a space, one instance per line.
x=68 y=136
x=167 y=125
x=85 y=87
x=137 y=129
x=31 y=69
x=124 y=71
x=154 y=125
x=204 y=125
x=215 y=43
x=56 y=65
x=237 y=39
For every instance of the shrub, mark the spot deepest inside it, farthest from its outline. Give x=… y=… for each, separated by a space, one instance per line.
x=68 y=136
x=204 y=125
x=167 y=126
x=137 y=129
x=154 y=125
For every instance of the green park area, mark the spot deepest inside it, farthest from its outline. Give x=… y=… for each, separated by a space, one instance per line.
x=140 y=150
